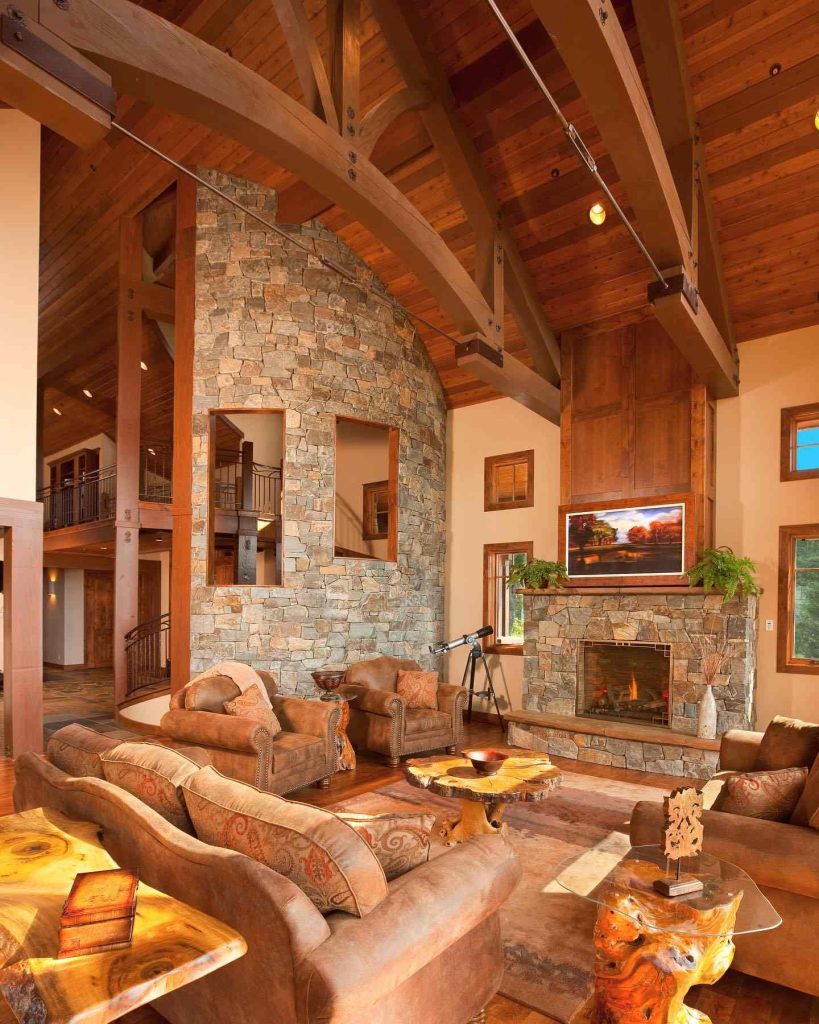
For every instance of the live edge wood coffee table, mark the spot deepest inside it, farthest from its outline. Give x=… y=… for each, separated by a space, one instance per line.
x=41 y=852
x=484 y=798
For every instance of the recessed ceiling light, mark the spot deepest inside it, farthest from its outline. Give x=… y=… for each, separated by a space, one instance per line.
x=103 y=548
x=87 y=393
x=151 y=451
x=774 y=69
x=56 y=411
x=158 y=540
x=144 y=366
x=597 y=214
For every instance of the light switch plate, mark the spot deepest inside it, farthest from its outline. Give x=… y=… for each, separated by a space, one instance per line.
x=769 y=625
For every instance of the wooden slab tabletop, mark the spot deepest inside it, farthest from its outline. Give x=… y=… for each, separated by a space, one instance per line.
x=41 y=852
x=520 y=777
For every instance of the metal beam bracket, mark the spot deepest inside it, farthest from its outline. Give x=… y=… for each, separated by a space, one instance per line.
x=477 y=345
x=678 y=284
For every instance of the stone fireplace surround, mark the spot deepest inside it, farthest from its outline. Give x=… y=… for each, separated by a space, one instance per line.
x=557 y=621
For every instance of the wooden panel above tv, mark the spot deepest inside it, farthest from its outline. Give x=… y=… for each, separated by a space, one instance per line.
x=635 y=423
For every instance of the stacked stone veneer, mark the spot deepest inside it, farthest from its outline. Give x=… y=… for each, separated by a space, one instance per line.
x=274 y=329
x=557 y=622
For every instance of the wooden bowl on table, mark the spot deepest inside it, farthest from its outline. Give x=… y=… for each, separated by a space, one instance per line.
x=485 y=762
x=329 y=679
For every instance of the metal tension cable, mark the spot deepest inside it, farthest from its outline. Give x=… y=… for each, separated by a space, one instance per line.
x=325 y=261
x=574 y=137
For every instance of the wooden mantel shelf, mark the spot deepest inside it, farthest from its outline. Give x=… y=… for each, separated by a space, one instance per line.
x=616 y=730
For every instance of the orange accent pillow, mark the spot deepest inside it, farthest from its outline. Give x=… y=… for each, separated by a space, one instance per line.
x=419 y=689
x=772 y=796
x=252 y=705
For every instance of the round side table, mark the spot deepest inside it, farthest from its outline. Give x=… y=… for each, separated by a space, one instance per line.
x=483 y=798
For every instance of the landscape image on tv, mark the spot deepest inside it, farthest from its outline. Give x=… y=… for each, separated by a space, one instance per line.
x=644 y=541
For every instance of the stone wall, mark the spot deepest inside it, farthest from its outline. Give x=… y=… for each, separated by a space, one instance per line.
x=557 y=622
x=274 y=329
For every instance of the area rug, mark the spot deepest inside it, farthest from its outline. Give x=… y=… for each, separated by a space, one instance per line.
x=547 y=932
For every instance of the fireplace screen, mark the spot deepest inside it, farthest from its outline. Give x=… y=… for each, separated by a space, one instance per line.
x=628 y=682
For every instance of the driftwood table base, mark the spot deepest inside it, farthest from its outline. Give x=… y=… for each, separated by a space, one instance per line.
x=475 y=820
x=642 y=971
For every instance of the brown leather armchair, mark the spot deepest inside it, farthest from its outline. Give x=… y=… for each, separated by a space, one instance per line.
x=381 y=721
x=302 y=753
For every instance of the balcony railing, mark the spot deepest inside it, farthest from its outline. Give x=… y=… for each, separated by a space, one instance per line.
x=265 y=498
x=155 y=473
x=90 y=500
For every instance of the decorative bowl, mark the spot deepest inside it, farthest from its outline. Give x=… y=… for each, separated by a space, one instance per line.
x=486 y=762
x=328 y=679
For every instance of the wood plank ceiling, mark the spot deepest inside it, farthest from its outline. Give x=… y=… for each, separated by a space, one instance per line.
x=754 y=68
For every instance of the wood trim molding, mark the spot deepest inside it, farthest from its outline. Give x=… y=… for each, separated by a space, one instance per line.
x=792 y=417
x=489 y=550
x=493 y=462
x=785 y=662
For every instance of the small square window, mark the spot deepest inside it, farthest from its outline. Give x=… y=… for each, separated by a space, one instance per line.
x=509 y=481
x=800 y=443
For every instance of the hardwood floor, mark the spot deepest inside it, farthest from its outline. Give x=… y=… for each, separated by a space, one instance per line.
x=736 y=999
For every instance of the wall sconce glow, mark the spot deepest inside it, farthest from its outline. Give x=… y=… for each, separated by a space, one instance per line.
x=87 y=393
x=151 y=451
x=144 y=366
x=597 y=214
x=816 y=121
x=56 y=411
x=52 y=589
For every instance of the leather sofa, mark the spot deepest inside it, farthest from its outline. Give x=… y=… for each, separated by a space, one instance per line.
x=304 y=752
x=380 y=720
x=782 y=859
x=438 y=922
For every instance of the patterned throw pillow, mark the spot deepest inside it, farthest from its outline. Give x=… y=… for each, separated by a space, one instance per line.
x=419 y=689
x=76 y=750
x=153 y=774
x=320 y=854
x=769 y=795
x=252 y=705
x=400 y=840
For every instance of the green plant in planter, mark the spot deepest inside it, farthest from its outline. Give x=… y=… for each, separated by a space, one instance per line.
x=720 y=569
x=538 y=574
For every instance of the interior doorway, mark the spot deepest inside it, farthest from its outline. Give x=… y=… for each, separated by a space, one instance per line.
x=99 y=619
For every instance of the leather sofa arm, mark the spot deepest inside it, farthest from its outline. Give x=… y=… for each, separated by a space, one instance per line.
x=738 y=750
x=377 y=702
x=206 y=729
x=451 y=699
x=774 y=854
x=427 y=912
x=309 y=717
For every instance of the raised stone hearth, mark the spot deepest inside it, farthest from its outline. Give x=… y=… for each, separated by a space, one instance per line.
x=559 y=623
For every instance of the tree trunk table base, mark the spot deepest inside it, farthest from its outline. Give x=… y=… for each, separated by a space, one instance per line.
x=475 y=820
x=344 y=749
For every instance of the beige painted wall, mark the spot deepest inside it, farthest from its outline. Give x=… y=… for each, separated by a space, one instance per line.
x=752 y=503
x=474 y=432
x=19 y=284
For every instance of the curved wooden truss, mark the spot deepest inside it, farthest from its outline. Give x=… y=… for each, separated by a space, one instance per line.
x=155 y=61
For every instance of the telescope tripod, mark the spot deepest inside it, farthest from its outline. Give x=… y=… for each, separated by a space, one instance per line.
x=475 y=655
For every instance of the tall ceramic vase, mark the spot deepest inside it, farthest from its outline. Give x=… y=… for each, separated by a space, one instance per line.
x=707 y=716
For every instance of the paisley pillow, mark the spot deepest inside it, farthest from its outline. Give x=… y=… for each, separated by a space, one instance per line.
x=153 y=774
x=251 y=704
x=419 y=689
x=769 y=795
x=400 y=839
x=76 y=750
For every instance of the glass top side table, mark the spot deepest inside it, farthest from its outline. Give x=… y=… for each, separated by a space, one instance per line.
x=650 y=949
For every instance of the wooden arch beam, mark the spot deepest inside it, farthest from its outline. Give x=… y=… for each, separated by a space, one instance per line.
x=159 y=63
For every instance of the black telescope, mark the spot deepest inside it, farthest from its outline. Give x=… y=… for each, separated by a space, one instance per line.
x=467 y=638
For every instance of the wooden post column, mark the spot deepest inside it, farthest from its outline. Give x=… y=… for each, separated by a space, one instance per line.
x=129 y=372
x=22 y=625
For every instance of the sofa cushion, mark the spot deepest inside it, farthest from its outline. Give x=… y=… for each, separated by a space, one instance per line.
x=422 y=721
x=291 y=750
x=251 y=704
x=769 y=795
x=806 y=811
x=400 y=840
x=153 y=773
x=210 y=694
x=317 y=851
x=419 y=689
x=76 y=751
x=787 y=743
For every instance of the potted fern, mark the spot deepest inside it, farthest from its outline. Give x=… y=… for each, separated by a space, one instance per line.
x=538 y=575
x=721 y=570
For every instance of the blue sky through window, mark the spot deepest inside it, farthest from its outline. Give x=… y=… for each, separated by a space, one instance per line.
x=807 y=448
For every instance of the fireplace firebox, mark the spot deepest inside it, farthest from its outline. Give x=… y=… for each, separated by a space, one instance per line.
x=625 y=681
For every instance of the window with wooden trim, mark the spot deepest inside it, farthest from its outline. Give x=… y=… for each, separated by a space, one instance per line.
x=376 y=513
x=799 y=456
x=798 y=627
x=502 y=607
x=509 y=481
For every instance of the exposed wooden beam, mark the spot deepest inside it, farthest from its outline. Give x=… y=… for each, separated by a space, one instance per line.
x=421 y=69
x=510 y=377
x=344 y=34
x=155 y=300
x=312 y=74
x=591 y=42
x=382 y=115
x=663 y=45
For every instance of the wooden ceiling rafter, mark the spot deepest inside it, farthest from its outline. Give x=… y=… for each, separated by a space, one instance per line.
x=593 y=46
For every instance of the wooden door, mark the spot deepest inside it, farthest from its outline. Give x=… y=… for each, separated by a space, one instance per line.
x=149 y=597
x=99 y=619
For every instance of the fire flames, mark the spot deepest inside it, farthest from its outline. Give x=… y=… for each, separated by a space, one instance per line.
x=633 y=692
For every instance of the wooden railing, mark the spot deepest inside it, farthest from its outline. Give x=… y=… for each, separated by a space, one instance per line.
x=147 y=653
x=90 y=500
